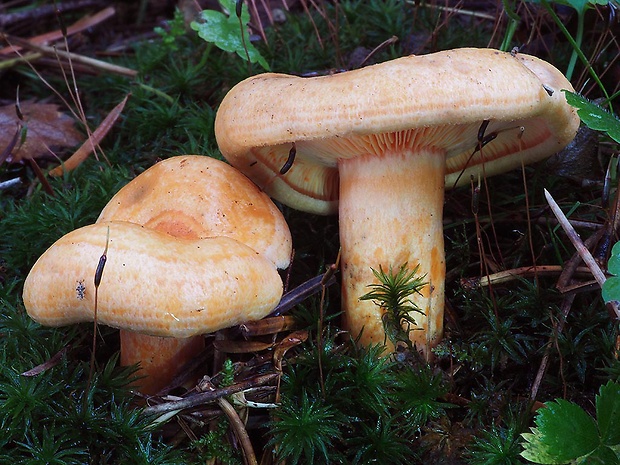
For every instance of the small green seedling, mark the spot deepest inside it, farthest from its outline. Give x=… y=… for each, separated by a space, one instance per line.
x=176 y=29
x=229 y=32
x=565 y=433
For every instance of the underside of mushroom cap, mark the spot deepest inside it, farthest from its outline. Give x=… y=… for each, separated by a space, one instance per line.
x=195 y=196
x=438 y=101
x=152 y=283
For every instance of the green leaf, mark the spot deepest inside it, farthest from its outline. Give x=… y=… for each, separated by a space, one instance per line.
x=613 y=265
x=594 y=116
x=228 y=33
x=608 y=413
x=563 y=432
x=579 y=5
x=611 y=287
x=603 y=455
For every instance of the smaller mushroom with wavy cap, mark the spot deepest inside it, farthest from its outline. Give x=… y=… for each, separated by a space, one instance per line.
x=193 y=213
x=378 y=143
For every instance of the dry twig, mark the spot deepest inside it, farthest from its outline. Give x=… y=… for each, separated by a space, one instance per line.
x=582 y=250
x=55 y=52
x=202 y=398
x=79 y=26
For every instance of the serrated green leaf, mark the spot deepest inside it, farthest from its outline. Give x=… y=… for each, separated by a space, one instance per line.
x=608 y=413
x=535 y=450
x=611 y=287
x=602 y=455
x=594 y=116
x=563 y=432
x=227 y=34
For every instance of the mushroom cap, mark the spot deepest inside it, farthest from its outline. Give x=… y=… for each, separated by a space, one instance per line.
x=152 y=283
x=437 y=101
x=195 y=196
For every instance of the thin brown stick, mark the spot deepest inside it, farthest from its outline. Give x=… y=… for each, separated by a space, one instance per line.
x=529 y=221
x=302 y=292
x=516 y=273
x=584 y=253
x=80 y=25
x=50 y=363
x=582 y=250
x=558 y=328
x=97 y=281
x=382 y=45
x=34 y=14
x=459 y=11
x=316 y=29
x=484 y=265
x=240 y=431
x=572 y=264
x=47 y=187
x=202 y=398
x=55 y=52
x=333 y=269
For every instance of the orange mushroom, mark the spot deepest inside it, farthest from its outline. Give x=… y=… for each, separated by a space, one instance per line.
x=377 y=144
x=187 y=198
x=152 y=283
x=194 y=196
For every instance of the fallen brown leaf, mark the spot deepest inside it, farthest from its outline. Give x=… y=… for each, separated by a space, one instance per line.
x=46 y=129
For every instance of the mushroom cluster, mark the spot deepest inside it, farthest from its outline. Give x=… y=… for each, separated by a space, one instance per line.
x=192 y=245
x=379 y=144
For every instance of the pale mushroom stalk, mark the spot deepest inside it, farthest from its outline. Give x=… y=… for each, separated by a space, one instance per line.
x=159 y=358
x=391 y=214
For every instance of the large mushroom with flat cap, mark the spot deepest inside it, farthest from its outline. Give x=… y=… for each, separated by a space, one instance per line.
x=379 y=143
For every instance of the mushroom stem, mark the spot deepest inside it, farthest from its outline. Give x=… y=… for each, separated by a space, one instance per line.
x=160 y=358
x=390 y=214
